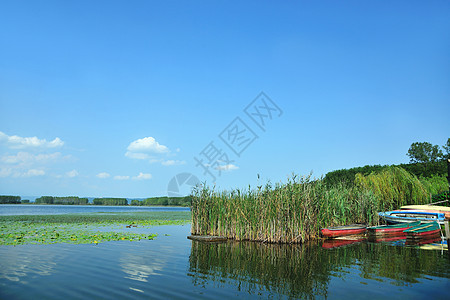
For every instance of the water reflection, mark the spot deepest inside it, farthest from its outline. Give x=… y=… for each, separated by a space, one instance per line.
x=290 y=270
x=305 y=271
x=19 y=263
x=140 y=266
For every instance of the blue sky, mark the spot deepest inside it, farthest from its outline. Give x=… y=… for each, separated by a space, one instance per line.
x=115 y=98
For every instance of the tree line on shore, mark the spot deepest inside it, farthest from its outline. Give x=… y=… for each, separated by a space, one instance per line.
x=426 y=161
x=5 y=199
x=164 y=201
x=74 y=200
x=70 y=200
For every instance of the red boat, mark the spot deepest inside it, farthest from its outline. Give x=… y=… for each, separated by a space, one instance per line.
x=332 y=232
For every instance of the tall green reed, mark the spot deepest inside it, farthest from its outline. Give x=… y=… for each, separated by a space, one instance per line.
x=295 y=211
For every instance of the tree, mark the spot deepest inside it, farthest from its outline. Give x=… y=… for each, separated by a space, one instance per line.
x=136 y=202
x=44 y=200
x=9 y=199
x=424 y=152
x=446 y=148
x=110 y=201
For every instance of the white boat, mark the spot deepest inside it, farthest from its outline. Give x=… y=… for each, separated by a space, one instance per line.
x=406 y=216
x=429 y=208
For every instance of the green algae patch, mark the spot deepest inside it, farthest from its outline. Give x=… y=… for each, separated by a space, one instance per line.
x=83 y=228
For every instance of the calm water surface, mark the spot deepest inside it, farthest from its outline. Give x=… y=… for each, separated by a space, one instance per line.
x=31 y=209
x=173 y=267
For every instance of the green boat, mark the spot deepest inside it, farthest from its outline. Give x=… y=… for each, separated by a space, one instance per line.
x=425 y=230
x=391 y=230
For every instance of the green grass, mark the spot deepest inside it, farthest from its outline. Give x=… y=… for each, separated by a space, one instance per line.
x=83 y=228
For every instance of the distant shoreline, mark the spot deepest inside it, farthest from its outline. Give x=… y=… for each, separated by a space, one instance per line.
x=90 y=204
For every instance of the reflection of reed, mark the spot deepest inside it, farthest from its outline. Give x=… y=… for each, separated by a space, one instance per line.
x=292 y=270
x=304 y=271
x=398 y=265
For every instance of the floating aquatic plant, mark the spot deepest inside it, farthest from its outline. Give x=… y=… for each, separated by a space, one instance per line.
x=82 y=228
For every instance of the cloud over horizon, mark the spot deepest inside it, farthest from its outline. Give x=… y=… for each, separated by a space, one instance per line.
x=17 y=142
x=229 y=167
x=149 y=149
x=143 y=176
x=103 y=175
x=25 y=162
x=25 y=158
x=73 y=173
x=6 y=172
x=147 y=145
x=172 y=162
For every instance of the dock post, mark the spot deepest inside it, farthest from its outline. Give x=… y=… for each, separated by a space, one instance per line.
x=446 y=222
x=447 y=229
x=447 y=235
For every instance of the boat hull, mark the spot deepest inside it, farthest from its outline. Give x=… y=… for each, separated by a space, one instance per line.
x=333 y=232
x=423 y=231
x=429 y=208
x=407 y=216
x=391 y=230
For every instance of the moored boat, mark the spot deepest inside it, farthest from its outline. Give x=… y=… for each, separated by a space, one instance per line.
x=429 y=208
x=390 y=230
x=332 y=232
x=423 y=231
x=407 y=216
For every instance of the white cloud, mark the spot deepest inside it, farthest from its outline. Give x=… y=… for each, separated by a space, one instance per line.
x=137 y=155
x=72 y=173
x=150 y=150
x=143 y=176
x=172 y=162
x=30 y=173
x=118 y=177
x=103 y=175
x=229 y=167
x=17 y=142
x=20 y=172
x=28 y=158
x=153 y=160
x=5 y=172
x=147 y=144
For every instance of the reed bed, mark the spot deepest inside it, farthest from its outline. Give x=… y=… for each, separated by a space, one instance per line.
x=295 y=211
x=394 y=187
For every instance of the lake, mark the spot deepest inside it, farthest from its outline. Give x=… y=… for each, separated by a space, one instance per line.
x=34 y=209
x=173 y=267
